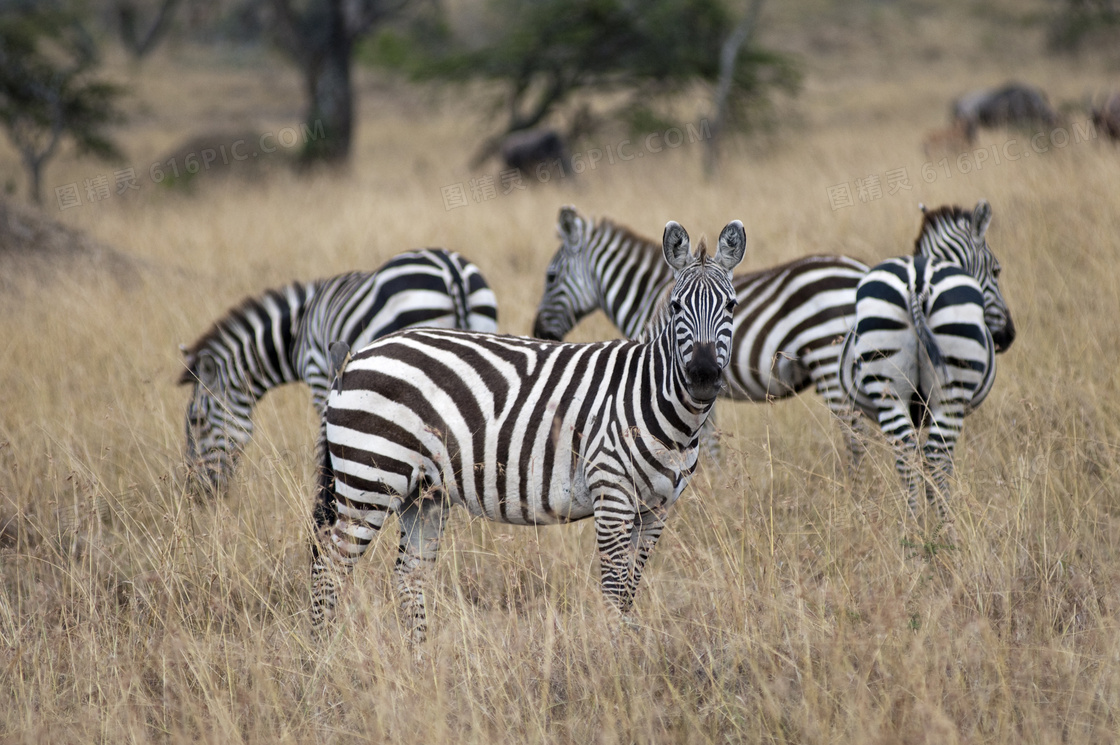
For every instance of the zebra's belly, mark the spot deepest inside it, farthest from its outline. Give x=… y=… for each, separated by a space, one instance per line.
x=510 y=500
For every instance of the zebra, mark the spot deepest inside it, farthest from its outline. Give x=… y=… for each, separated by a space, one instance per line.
x=786 y=329
x=282 y=336
x=922 y=351
x=528 y=432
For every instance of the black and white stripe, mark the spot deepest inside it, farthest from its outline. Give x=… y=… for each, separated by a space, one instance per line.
x=785 y=330
x=922 y=352
x=528 y=432
x=283 y=335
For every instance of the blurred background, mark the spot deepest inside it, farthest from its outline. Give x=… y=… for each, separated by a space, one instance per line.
x=161 y=160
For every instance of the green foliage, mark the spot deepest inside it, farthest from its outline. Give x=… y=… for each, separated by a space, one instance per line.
x=548 y=50
x=47 y=90
x=1077 y=19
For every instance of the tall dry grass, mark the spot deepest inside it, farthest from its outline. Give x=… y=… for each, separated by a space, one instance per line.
x=783 y=604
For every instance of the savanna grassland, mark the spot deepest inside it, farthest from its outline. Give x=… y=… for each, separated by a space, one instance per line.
x=784 y=603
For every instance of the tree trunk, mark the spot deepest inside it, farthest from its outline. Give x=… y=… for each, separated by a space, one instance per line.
x=728 y=54
x=331 y=102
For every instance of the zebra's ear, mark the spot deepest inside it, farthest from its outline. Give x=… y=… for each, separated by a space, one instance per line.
x=188 y=366
x=678 y=251
x=981 y=219
x=732 y=246
x=570 y=227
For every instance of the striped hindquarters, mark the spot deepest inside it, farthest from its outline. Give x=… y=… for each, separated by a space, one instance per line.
x=425 y=288
x=890 y=357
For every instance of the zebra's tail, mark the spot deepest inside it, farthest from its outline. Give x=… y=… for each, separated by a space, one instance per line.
x=325 y=512
x=925 y=334
x=456 y=288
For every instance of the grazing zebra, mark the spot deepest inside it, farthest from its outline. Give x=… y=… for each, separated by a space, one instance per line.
x=283 y=336
x=786 y=328
x=922 y=352
x=528 y=432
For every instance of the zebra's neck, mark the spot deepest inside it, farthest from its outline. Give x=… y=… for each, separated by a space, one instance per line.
x=630 y=277
x=260 y=335
x=944 y=237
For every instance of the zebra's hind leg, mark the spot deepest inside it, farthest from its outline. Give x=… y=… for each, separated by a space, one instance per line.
x=937 y=453
x=335 y=551
x=899 y=431
x=421 y=524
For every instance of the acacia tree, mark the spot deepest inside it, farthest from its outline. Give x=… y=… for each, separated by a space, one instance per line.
x=319 y=36
x=546 y=51
x=140 y=38
x=48 y=92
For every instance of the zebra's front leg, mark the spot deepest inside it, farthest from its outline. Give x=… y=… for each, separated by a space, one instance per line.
x=646 y=532
x=337 y=548
x=614 y=530
x=421 y=523
x=709 y=438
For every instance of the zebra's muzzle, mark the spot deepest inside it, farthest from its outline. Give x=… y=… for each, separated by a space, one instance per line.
x=543 y=330
x=1004 y=337
x=704 y=373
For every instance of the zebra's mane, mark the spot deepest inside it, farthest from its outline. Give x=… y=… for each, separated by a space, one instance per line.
x=661 y=314
x=949 y=213
x=237 y=318
x=607 y=225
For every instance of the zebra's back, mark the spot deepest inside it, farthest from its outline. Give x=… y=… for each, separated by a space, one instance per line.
x=788 y=323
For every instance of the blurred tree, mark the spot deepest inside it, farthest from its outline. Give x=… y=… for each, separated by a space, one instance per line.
x=546 y=51
x=1074 y=20
x=47 y=89
x=138 y=42
x=320 y=36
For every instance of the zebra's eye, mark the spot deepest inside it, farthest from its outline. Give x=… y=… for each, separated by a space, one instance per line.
x=207 y=371
x=675 y=307
x=731 y=305
x=996 y=271
x=550 y=277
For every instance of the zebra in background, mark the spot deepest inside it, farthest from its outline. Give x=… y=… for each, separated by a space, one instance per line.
x=528 y=432
x=785 y=331
x=283 y=336
x=922 y=352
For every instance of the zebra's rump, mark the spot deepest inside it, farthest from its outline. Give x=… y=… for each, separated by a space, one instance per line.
x=888 y=355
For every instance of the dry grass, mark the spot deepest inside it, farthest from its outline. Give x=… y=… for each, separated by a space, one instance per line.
x=782 y=605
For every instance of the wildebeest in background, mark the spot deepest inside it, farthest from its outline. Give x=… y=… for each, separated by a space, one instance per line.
x=1013 y=105
x=1106 y=117
x=529 y=149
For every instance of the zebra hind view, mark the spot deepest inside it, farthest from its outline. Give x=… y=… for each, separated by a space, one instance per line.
x=283 y=336
x=785 y=331
x=528 y=432
x=922 y=352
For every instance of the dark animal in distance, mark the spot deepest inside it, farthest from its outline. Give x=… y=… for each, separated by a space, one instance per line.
x=1014 y=105
x=528 y=149
x=1106 y=117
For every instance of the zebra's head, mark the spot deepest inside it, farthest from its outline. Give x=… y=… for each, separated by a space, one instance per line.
x=957 y=235
x=218 y=424
x=569 y=288
x=699 y=307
